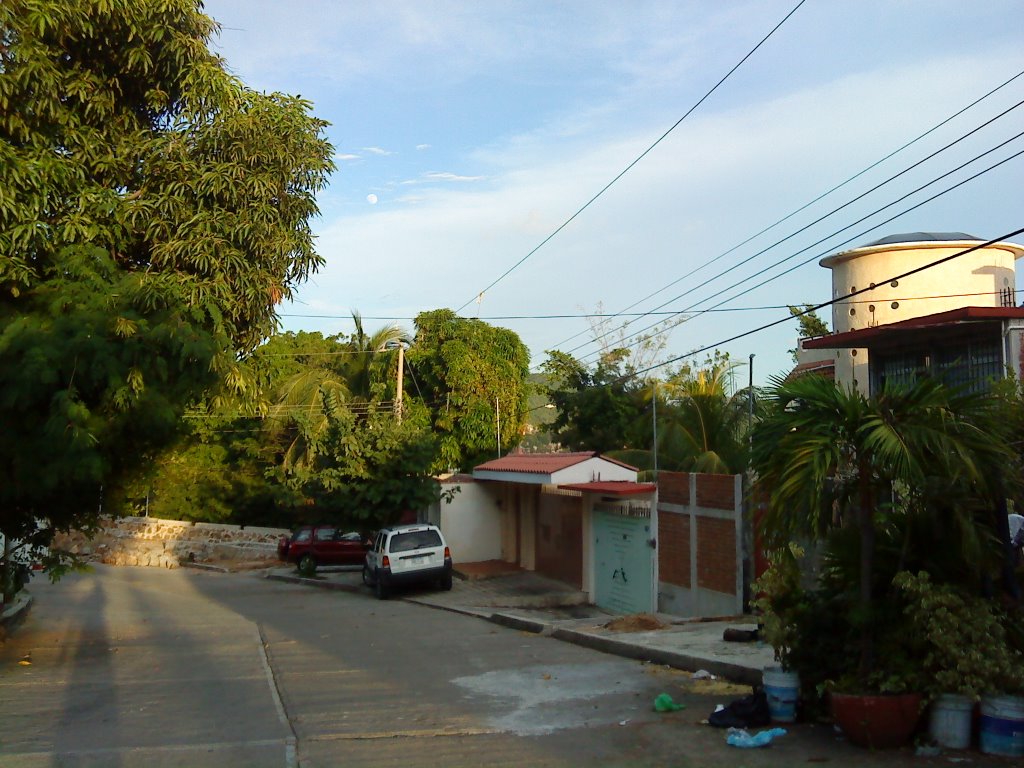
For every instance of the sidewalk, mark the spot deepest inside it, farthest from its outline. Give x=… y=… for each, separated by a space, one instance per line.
x=527 y=601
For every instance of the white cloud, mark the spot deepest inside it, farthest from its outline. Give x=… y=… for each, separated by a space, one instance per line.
x=714 y=181
x=422 y=147
x=346 y=157
x=378 y=151
x=446 y=176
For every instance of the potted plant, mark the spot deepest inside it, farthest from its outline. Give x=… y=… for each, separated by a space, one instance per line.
x=832 y=463
x=967 y=653
x=780 y=602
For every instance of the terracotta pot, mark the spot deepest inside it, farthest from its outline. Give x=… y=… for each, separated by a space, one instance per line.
x=877 y=721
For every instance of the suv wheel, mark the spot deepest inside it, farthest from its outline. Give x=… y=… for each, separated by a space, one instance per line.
x=366 y=577
x=379 y=589
x=307 y=565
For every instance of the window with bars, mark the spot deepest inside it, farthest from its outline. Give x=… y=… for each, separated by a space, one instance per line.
x=974 y=363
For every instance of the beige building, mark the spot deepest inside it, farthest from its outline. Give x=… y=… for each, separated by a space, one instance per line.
x=957 y=315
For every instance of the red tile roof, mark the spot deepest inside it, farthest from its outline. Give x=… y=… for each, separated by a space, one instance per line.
x=862 y=336
x=543 y=463
x=612 y=487
x=826 y=368
x=535 y=463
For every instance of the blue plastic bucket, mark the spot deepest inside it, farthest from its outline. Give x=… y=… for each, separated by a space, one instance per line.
x=783 y=691
x=950 y=722
x=1002 y=726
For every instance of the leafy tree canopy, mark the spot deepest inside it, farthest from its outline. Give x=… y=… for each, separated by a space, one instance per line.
x=809 y=323
x=153 y=212
x=471 y=376
x=596 y=408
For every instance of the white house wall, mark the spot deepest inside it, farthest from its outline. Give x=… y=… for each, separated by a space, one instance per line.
x=471 y=524
x=593 y=469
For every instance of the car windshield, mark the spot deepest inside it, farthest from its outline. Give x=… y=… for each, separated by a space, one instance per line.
x=404 y=542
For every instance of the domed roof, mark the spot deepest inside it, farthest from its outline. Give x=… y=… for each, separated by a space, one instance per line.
x=921 y=237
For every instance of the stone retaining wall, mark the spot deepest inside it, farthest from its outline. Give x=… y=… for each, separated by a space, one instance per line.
x=150 y=541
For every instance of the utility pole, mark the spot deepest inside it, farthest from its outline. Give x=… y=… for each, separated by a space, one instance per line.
x=750 y=404
x=654 y=420
x=497 y=421
x=400 y=385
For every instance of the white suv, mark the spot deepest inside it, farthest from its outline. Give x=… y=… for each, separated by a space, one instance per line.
x=407 y=554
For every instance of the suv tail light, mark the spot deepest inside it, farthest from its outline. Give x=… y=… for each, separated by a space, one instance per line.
x=447 y=554
x=385 y=562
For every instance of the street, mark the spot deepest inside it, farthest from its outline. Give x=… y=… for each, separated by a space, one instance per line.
x=155 y=668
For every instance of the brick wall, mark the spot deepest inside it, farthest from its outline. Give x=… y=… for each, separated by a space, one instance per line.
x=700 y=568
x=674 y=548
x=716 y=559
x=716 y=491
x=674 y=487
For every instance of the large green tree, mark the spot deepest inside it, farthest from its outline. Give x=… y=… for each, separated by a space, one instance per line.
x=153 y=212
x=597 y=409
x=474 y=379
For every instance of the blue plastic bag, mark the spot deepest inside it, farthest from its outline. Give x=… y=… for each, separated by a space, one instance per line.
x=740 y=738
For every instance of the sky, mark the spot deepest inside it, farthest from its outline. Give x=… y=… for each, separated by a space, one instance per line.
x=468 y=133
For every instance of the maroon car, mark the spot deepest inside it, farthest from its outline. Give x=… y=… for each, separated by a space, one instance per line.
x=313 y=545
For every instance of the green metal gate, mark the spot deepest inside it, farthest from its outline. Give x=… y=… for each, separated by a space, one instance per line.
x=623 y=558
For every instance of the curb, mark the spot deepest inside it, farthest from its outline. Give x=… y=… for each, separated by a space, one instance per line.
x=733 y=672
x=14 y=614
x=307 y=582
x=204 y=567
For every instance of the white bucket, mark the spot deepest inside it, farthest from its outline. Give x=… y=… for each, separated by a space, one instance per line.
x=1002 y=725
x=783 y=690
x=949 y=724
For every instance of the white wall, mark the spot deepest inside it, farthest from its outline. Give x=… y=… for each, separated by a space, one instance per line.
x=471 y=524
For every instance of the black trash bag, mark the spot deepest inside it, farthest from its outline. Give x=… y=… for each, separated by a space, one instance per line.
x=749 y=712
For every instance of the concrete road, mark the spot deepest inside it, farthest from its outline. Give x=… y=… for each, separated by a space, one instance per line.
x=145 y=667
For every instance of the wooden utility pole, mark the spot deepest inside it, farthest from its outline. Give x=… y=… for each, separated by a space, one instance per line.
x=401 y=372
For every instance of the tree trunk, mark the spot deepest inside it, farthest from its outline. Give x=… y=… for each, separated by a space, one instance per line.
x=866 y=522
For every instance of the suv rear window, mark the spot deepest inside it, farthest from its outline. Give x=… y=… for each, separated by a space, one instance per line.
x=405 y=542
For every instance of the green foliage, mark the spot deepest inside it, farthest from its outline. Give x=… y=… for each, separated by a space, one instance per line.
x=97 y=367
x=780 y=601
x=120 y=129
x=810 y=325
x=704 y=428
x=701 y=426
x=596 y=410
x=875 y=476
x=368 y=468
x=153 y=212
x=470 y=375
x=967 y=650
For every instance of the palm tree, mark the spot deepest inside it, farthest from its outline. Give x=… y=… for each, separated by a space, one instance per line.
x=828 y=456
x=302 y=402
x=703 y=428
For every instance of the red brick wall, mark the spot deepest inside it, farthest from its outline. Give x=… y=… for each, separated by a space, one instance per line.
x=716 y=554
x=674 y=548
x=674 y=487
x=716 y=491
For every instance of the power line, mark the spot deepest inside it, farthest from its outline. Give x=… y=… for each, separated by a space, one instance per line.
x=809 y=204
x=665 y=312
x=836 y=210
x=629 y=167
x=829 y=303
x=844 y=242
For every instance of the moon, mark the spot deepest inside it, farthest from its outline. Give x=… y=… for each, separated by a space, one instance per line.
x=371 y=199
